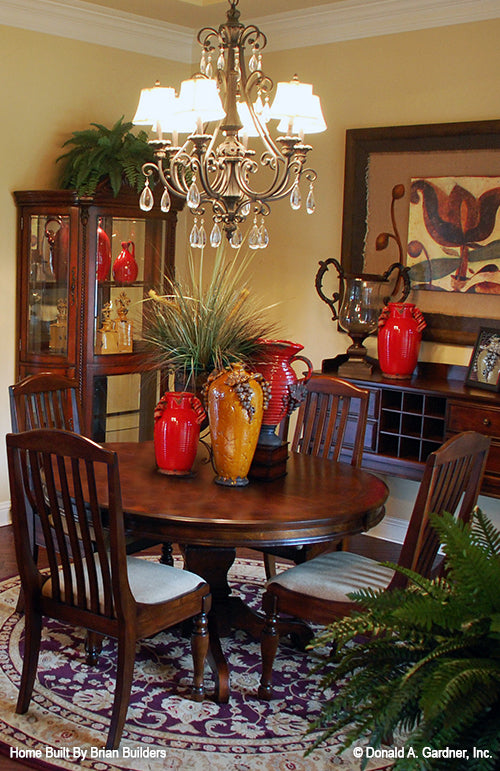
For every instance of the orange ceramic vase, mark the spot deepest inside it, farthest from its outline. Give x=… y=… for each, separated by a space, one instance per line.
x=235 y=400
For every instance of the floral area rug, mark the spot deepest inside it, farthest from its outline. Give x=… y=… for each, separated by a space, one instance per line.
x=68 y=718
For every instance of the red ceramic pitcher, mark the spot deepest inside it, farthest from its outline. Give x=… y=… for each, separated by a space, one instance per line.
x=103 y=264
x=125 y=268
x=178 y=417
x=275 y=365
x=399 y=338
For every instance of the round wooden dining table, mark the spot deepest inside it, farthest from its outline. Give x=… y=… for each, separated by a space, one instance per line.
x=317 y=501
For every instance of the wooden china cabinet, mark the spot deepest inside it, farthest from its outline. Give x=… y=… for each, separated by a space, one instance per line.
x=78 y=318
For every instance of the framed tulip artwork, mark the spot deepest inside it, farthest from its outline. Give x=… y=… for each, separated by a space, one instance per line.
x=429 y=196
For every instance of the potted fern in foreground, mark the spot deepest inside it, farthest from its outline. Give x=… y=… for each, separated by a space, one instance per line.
x=422 y=664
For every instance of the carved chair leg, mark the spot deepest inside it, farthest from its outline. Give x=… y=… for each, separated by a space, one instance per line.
x=93 y=647
x=167 y=557
x=199 y=650
x=269 y=565
x=20 y=601
x=33 y=636
x=269 y=646
x=124 y=675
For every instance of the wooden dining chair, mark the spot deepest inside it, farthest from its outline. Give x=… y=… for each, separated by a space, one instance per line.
x=91 y=580
x=317 y=590
x=331 y=423
x=48 y=400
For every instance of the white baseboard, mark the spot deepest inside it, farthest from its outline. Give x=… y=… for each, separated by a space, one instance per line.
x=5 y=513
x=390 y=529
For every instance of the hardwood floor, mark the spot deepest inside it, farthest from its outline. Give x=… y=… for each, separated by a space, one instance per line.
x=374 y=547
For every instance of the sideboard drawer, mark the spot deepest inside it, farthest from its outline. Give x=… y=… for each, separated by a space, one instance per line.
x=467 y=417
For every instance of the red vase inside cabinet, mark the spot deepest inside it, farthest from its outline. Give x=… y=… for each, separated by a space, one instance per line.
x=125 y=268
x=103 y=261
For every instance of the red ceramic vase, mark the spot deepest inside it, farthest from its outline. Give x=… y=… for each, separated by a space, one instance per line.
x=57 y=235
x=399 y=338
x=125 y=268
x=286 y=389
x=103 y=263
x=178 y=417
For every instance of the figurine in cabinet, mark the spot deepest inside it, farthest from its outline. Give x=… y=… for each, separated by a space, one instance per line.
x=123 y=325
x=107 y=336
x=59 y=328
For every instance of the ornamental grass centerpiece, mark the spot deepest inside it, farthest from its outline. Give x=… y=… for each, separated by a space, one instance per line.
x=206 y=321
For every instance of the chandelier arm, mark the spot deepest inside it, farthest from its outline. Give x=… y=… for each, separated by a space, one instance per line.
x=210 y=190
x=259 y=41
x=252 y=167
x=283 y=183
x=205 y=35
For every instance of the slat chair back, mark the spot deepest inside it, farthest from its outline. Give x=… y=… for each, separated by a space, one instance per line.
x=451 y=482
x=331 y=421
x=91 y=582
x=60 y=483
x=45 y=400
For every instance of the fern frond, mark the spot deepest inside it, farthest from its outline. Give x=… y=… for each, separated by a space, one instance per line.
x=484 y=533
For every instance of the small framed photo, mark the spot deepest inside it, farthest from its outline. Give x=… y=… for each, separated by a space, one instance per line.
x=484 y=365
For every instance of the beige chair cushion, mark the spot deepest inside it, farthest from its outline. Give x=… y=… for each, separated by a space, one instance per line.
x=150 y=582
x=332 y=576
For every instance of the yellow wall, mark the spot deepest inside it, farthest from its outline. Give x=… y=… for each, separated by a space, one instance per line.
x=52 y=86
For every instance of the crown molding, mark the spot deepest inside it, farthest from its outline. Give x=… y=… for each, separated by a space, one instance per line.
x=96 y=24
x=355 y=19
x=329 y=23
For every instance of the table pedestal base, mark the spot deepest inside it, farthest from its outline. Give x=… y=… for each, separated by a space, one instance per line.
x=228 y=611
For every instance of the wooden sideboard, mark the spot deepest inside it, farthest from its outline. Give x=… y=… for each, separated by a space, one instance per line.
x=408 y=419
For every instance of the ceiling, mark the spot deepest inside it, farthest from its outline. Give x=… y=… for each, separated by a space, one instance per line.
x=196 y=13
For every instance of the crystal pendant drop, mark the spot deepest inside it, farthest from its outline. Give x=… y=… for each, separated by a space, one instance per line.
x=221 y=62
x=209 y=70
x=295 y=197
x=266 y=112
x=236 y=238
x=194 y=238
x=193 y=198
x=165 y=201
x=263 y=236
x=203 y=62
x=245 y=209
x=215 y=236
x=146 y=201
x=253 y=64
x=253 y=236
x=310 y=202
x=202 y=236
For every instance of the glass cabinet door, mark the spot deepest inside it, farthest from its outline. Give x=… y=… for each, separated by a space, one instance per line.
x=129 y=262
x=48 y=284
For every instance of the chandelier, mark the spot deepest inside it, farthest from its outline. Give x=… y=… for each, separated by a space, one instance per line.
x=222 y=109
